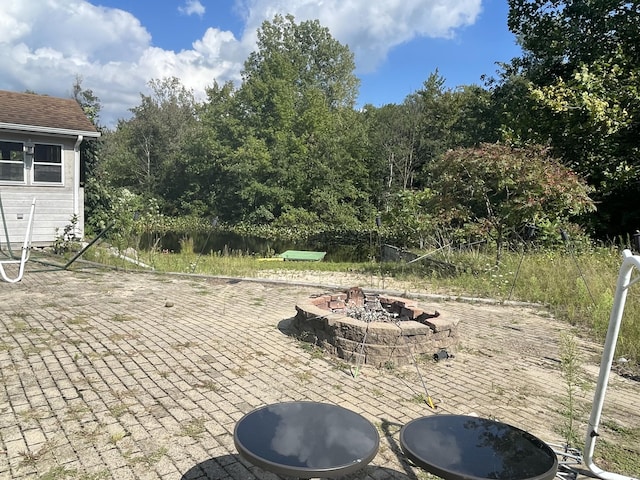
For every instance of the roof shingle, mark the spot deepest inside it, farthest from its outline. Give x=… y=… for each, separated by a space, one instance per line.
x=30 y=109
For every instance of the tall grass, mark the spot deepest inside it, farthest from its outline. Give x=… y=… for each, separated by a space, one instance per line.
x=578 y=288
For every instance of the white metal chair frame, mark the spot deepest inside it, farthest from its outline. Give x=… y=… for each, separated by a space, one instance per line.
x=24 y=254
x=570 y=459
x=629 y=262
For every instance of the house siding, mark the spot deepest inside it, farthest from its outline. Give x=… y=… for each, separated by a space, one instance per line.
x=54 y=202
x=53 y=211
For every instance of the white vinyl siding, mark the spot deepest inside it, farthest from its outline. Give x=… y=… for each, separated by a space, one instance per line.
x=54 y=209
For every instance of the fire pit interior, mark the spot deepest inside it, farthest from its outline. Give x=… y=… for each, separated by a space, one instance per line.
x=378 y=330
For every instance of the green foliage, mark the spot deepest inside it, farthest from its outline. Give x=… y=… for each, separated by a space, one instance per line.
x=448 y=118
x=143 y=153
x=500 y=189
x=286 y=142
x=305 y=53
x=571 y=369
x=576 y=88
x=617 y=450
x=294 y=218
x=67 y=240
x=99 y=196
x=129 y=214
x=406 y=138
x=89 y=102
x=296 y=152
x=409 y=220
x=90 y=155
x=554 y=31
x=394 y=136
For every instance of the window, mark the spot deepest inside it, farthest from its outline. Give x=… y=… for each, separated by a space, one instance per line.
x=47 y=163
x=11 y=162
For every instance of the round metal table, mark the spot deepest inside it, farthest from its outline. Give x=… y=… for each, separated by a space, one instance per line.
x=306 y=439
x=457 y=447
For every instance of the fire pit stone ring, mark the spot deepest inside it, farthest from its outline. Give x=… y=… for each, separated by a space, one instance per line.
x=379 y=330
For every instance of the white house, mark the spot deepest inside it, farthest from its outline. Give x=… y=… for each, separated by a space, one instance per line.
x=40 y=140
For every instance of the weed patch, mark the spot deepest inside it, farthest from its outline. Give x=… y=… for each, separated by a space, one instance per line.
x=149 y=459
x=77 y=320
x=573 y=375
x=209 y=385
x=305 y=376
x=313 y=350
x=193 y=428
x=118 y=410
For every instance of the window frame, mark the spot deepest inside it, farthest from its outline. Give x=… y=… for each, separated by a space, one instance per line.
x=15 y=162
x=59 y=163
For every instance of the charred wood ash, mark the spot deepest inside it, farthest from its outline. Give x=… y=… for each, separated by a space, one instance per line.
x=371 y=311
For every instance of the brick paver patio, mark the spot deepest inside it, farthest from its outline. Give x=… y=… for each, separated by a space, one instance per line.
x=142 y=376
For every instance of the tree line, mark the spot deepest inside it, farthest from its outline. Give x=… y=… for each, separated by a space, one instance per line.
x=551 y=142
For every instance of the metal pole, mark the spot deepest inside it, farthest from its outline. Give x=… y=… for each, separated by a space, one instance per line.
x=428 y=400
x=79 y=254
x=427 y=254
x=624 y=282
x=6 y=232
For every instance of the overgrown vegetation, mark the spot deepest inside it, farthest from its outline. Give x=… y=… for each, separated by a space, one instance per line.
x=576 y=283
x=572 y=374
x=619 y=449
x=67 y=240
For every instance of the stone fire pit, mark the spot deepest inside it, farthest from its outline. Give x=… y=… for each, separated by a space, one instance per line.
x=378 y=330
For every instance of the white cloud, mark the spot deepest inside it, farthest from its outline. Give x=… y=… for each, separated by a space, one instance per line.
x=371 y=29
x=192 y=7
x=45 y=45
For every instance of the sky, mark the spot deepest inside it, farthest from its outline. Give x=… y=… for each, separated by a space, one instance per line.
x=117 y=46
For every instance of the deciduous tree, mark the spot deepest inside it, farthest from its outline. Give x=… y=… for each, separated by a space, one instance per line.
x=497 y=190
x=581 y=71
x=295 y=102
x=143 y=150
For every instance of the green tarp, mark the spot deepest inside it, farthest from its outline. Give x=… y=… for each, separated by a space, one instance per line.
x=303 y=255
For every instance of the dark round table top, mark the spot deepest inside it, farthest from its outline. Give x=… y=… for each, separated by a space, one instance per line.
x=458 y=447
x=306 y=439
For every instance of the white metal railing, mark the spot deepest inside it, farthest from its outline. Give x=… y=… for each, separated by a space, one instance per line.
x=629 y=262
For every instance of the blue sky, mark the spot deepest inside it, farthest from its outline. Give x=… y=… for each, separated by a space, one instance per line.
x=461 y=60
x=117 y=46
